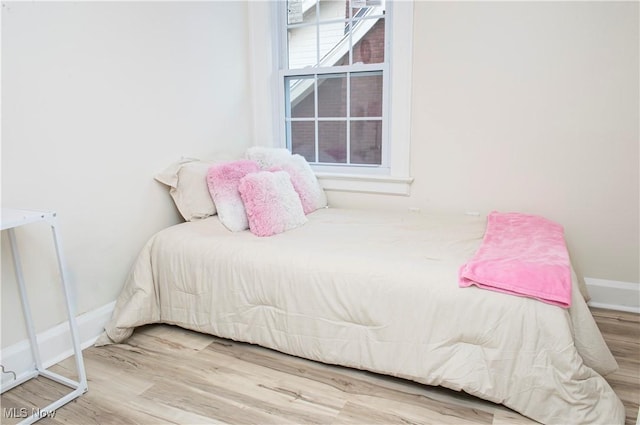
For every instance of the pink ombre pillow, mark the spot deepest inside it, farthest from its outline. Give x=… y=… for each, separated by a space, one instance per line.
x=223 y=180
x=271 y=203
x=303 y=178
x=305 y=183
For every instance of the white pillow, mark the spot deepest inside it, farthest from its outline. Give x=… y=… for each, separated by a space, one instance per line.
x=187 y=180
x=271 y=203
x=268 y=157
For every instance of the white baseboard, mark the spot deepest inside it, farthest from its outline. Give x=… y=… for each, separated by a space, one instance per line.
x=55 y=343
x=614 y=295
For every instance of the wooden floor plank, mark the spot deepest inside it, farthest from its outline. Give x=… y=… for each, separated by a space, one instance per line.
x=508 y=417
x=621 y=332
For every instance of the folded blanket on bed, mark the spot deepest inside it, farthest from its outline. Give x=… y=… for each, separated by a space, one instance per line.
x=523 y=255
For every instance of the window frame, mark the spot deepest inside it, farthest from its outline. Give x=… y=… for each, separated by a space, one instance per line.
x=394 y=178
x=314 y=73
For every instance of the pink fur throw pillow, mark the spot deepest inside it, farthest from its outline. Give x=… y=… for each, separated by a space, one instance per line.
x=305 y=183
x=271 y=203
x=223 y=180
x=303 y=178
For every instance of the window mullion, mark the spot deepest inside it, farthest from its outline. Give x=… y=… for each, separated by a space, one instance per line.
x=287 y=115
x=348 y=102
x=336 y=69
x=315 y=85
x=317 y=34
x=384 y=148
x=283 y=42
x=350 y=24
x=348 y=115
x=315 y=116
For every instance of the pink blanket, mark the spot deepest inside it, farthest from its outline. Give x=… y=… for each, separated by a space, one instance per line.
x=523 y=255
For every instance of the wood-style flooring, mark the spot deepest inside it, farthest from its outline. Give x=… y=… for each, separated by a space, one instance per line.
x=165 y=374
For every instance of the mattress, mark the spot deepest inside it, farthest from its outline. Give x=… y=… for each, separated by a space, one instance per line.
x=376 y=291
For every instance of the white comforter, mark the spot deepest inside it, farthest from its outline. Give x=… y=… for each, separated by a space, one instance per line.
x=376 y=291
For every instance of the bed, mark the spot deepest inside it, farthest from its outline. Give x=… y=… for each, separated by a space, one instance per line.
x=376 y=291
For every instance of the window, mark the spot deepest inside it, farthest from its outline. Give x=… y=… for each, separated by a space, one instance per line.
x=368 y=148
x=334 y=70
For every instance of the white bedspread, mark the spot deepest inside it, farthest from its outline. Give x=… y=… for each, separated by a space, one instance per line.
x=376 y=291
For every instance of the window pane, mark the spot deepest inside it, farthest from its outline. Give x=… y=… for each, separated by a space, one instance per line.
x=332 y=136
x=366 y=94
x=301 y=12
x=302 y=47
x=365 y=33
x=368 y=41
x=332 y=95
x=366 y=142
x=303 y=136
x=361 y=8
x=331 y=10
x=300 y=94
x=334 y=44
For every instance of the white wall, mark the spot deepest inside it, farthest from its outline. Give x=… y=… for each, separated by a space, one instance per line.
x=533 y=107
x=97 y=97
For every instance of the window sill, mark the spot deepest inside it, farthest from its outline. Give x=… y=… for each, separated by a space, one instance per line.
x=387 y=185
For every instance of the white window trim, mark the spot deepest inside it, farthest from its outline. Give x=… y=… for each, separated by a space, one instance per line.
x=400 y=87
x=264 y=36
x=382 y=184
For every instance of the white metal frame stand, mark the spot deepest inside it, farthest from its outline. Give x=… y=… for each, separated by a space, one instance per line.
x=12 y=218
